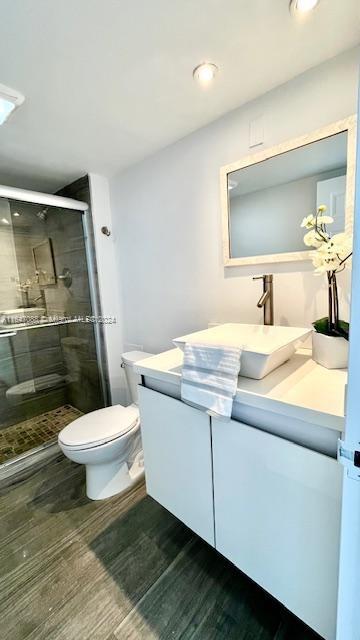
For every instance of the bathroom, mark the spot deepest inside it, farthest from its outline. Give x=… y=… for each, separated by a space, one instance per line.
x=119 y=238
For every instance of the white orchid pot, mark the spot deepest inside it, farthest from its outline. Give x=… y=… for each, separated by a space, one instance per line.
x=331 y=352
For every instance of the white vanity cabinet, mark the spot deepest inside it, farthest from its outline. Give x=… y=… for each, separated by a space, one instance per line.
x=263 y=495
x=277 y=518
x=178 y=462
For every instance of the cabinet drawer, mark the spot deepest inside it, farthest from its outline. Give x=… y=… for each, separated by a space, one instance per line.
x=277 y=518
x=178 y=464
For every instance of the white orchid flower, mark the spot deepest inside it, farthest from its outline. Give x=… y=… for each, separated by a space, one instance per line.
x=324 y=220
x=331 y=252
x=324 y=260
x=320 y=270
x=313 y=239
x=341 y=244
x=309 y=222
x=319 y=263
x=331 y=255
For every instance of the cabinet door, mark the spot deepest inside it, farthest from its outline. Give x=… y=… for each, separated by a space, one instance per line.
x=178 y=465
x=277 y=518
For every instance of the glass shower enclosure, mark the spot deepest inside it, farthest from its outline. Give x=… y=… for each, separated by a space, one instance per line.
x=51 y=365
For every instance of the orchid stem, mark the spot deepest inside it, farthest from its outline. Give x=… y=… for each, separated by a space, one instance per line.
x=330 y=304
x=336 y=302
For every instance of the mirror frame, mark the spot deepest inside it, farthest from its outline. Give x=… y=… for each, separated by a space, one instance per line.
x=349 y=125
x=47 y=245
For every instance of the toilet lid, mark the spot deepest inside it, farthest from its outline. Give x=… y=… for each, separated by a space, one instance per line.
x=101 y=426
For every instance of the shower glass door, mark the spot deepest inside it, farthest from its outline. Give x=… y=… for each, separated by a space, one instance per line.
x=15 y=360
x=49 y=365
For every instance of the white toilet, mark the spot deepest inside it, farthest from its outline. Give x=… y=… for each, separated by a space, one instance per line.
x=108 y=441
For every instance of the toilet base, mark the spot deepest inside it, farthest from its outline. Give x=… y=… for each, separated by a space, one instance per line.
x=109 y=479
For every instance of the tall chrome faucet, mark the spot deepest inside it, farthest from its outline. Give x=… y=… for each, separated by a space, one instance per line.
x=266 y=300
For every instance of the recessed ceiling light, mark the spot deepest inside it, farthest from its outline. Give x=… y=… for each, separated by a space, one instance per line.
x=16 y=214
x=5 y=221
x=232 y=184
x=303 y=6
x=10 y=99
x=205 y=73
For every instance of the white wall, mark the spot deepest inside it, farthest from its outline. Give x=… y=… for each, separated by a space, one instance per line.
x=166 y=218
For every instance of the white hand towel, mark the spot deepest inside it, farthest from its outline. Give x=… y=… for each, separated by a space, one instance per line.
x=209 y=377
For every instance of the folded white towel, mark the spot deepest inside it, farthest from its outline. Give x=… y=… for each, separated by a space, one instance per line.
x=209 y=377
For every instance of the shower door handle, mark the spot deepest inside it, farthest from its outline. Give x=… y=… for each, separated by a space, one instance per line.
x=7 y=334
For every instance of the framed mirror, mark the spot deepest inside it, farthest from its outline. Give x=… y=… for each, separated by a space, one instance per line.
x=265 y=196
x=44 y=263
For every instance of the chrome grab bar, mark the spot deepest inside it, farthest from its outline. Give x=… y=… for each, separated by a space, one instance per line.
x=7 y=334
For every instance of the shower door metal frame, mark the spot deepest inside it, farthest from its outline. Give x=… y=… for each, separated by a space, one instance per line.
x=24 y=195
x=95 y=305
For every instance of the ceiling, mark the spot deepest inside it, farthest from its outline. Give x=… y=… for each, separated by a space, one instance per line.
x=108 y=83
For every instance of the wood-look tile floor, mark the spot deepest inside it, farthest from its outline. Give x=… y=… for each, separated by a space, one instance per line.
x=121 y=569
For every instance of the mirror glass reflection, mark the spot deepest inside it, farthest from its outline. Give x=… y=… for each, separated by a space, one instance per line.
x=268 y=200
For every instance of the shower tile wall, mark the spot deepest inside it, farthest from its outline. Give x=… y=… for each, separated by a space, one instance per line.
x=66 y=233
x=85 y=394
x=64 y=228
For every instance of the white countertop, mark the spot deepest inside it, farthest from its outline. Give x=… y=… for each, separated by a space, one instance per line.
x=300 y=388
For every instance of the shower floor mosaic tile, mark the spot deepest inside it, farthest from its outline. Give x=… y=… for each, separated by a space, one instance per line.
x=35 y=432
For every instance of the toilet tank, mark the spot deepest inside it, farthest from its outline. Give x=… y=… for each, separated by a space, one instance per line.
x=133 y=378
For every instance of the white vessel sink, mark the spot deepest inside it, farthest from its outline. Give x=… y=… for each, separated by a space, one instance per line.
x=264 y=347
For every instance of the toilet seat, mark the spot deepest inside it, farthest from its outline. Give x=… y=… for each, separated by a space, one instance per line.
x=99 y=427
